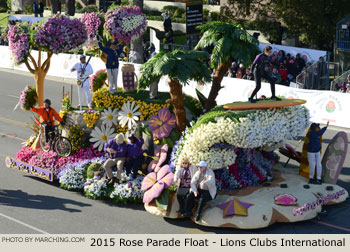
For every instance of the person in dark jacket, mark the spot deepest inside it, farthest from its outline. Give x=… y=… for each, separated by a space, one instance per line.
x=35 y=8
x=260 y=69
x=314 y=154
x=135 y=156
x=41 y=8
x=112 y=63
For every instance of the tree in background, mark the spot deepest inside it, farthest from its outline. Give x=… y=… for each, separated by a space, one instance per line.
x=56 y=34
x=231 y=42
x=313 y=22
x=181 y=67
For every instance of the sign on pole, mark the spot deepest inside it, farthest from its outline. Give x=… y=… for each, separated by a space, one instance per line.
x=194 y=15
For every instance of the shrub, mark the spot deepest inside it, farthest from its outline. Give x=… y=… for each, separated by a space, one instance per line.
x=90 y=8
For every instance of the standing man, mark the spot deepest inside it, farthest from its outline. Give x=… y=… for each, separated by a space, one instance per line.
x=203 y=188
x=112 y=63
x=35 y=8
x=260 y=68
x=41 y=8
x=116 y=149
x=83 y=69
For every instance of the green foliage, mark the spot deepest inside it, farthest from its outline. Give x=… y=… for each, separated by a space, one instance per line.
x=93 y=167
x=201 y=97
x=31 y=98
x=29 y=9
x=170 y=9
x=152 y=12
x=232 y=41
x=89 y=8
x=180 y=13
x=180 y=66
x=163 y=200
x=99 y=81
x=271 y=29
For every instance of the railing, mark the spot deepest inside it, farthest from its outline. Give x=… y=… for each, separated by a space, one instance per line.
x=342 y=83
x=315 y=76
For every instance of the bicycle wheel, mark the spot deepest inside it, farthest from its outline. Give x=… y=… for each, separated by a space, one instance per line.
x=63 y=147
x=45 y=146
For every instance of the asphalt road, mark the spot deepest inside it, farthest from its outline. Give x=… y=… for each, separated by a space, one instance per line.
x=30 y=205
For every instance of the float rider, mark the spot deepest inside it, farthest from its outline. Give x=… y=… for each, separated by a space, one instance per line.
x=47 y=116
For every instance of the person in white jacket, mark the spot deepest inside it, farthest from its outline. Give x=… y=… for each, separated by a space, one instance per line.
x=84 y=70
x=203 y=188
x=183 y=177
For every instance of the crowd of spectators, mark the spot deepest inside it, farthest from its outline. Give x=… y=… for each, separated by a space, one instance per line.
x=283 y=68
x=343 y=87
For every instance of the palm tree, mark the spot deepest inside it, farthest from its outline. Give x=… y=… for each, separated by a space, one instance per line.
x=180 y=66
x=231 y=42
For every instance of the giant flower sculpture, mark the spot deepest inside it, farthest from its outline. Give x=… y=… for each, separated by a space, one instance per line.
x=129 y=114
x=155 y=182
x=125 y=23
x=162 y=124
x=109 y=117
x=19 y=42
x=92 y=23
x=101 y=136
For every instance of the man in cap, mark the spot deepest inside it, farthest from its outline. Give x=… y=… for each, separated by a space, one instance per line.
x=84 y=70
x=112 y=63
x=313 y=152
x=116 y=149
x=47 y=116
x=203 y=188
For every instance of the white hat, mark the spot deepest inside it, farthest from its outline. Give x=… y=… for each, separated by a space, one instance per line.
x=202 y=164
x=119 y=139
x=82 y=56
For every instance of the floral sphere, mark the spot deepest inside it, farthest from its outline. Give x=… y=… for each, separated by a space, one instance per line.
x=18 y=37
x=27 y=98
x=92 y=23
x=125 y=23
x=60 y=34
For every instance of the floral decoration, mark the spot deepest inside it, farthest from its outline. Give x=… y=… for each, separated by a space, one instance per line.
x=98 y=79
x=76 y=137
x=154 y=183
x=129 y=191
x=162 y=124
x=125 y=23
x=18 y=37
x=66 y=104
x=129 y=114
x=100 y=136
x=90 y=118
x=97 y=189
x=110 y=117
x=92 y=23
x=27 y=98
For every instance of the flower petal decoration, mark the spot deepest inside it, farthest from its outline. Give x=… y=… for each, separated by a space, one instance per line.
x=101 y=136
x=129 y=114
x=109 y=117
x=235 y=207
x=285 y=199
x=154 y=183
x=162 y=124
x=160 y=155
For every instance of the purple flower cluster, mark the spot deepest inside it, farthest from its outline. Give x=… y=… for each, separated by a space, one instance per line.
x=60 y=34
x=18 y=37
x=120 y=20
x=92 y=23
x=23 y=96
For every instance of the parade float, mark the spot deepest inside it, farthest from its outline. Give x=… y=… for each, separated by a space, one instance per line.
x=238 y=140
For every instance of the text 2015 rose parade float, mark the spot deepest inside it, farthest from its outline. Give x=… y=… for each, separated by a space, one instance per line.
x=238 y=146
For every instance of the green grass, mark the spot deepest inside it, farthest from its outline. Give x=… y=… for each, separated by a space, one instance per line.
x=267 y=101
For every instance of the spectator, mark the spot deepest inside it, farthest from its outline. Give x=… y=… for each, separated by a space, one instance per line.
x=276 y=75
x=287 y=57
x=273 y=60
x=280 y=57
x=322 y=77
x=239 y=74
x=230 y=73
x=248 y=75
x=284 y=78
x=167 y=22
x=300 y=63
x=35 y=8
x=291 y=69
x=41 y=8
x=242 y=68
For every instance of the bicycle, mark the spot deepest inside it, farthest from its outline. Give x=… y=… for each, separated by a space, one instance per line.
x=56 y=141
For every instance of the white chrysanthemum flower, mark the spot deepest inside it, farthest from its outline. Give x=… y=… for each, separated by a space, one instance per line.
x=110 y=117
x=101 y=136
x=129 y=114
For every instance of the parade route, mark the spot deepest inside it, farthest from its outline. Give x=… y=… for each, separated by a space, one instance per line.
x=31 y=205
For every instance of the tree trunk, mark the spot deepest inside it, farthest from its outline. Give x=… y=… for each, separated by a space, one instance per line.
x=39 y=77
x=55 y=6
x=216 y=85
x=178 y=101
x=136 y=45
x=70 y=7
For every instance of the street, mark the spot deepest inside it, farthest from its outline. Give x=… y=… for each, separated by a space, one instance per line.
x=33 y=206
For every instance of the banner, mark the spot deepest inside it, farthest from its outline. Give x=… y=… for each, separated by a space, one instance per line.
x=306 y=54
